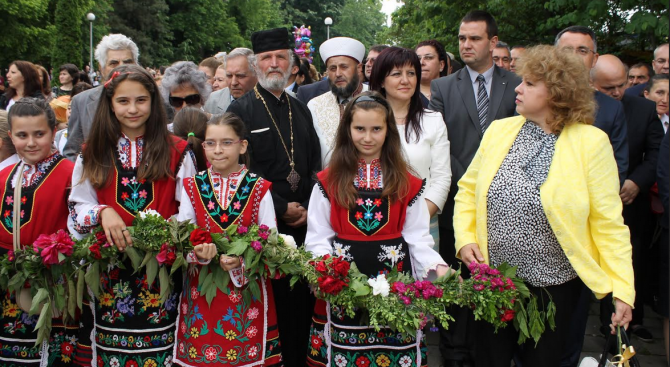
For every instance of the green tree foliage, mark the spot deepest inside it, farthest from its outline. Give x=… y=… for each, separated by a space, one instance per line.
x=67 y=43
x=254 y=15
x=26 y=31
x=359 y=19
x=146 y=23
x=201 y=28
x=623 y=27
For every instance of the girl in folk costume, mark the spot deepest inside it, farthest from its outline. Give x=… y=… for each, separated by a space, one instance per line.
x=34 y=199
x=368 y=209
x=129 y=164
x=230 y=332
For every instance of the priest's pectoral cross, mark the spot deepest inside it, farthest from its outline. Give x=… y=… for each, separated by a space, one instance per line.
x=293 y=178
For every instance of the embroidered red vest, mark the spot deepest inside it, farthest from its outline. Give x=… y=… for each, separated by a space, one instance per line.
x=128 y=196
x=44 y=207
x=242 y=209
x=373 y=215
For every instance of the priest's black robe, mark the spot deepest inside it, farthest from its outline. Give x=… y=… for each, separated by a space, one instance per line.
x=269 y=159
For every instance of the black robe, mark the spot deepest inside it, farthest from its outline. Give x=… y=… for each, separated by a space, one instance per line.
x=269 y=159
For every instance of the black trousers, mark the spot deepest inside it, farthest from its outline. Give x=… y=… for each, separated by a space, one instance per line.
x=497 y=349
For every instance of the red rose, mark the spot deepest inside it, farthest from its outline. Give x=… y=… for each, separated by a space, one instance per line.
x=198 y=237
x=95 y=251
x=507 y=316
x=331 y=285
x=341 y=267
x=321 y=267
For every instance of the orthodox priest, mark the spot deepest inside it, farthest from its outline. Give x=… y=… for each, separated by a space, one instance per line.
x=284 y=149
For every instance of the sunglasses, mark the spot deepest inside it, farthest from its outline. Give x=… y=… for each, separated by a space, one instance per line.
x=191 y=100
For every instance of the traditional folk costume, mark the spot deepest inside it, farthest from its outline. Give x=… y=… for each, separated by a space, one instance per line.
x=284 y=149
x=130 y=327
x=378 y=235
x=230 y=332
x=43 y=204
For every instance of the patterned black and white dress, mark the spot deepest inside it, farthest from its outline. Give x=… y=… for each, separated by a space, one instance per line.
x=518 y=230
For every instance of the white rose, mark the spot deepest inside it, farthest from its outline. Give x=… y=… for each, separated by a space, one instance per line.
x=289 y=241
x=380 y=285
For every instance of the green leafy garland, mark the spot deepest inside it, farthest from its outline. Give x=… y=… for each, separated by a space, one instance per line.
x=58 y=270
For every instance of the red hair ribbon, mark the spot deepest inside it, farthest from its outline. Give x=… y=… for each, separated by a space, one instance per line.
x=114 y=75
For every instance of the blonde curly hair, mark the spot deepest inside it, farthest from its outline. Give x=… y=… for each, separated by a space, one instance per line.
x=571 y=97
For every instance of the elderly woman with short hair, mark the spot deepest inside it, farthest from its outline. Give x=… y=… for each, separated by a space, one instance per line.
x=183 y=84
x=542 y=194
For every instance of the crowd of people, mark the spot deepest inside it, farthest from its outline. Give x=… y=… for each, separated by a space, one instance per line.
x=551 y=158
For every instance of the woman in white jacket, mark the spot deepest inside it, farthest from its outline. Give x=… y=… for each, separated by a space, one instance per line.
x=396 y=74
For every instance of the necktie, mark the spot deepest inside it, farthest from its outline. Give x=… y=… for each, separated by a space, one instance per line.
x=482 y=102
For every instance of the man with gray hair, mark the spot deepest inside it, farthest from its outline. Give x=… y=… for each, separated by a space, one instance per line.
x=241 y=79
x=502 y=55
x=284 y=149
x=112 y=51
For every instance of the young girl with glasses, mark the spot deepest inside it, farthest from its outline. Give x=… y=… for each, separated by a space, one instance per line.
x=223 y=195
x=130 y=163
x=367 y=208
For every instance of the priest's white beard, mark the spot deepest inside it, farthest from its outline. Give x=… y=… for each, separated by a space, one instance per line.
x=273 y=83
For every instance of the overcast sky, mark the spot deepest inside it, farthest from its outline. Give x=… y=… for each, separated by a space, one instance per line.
x=388 y=7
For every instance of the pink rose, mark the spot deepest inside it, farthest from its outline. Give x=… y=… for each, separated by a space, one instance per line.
x=50 y=246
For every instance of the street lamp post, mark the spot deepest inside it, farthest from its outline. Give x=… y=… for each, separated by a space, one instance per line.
x=328 y=22
x=91 y=18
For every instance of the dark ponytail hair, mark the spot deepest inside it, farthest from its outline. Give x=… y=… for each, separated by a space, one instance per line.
x=236 y=123
x=190 y=124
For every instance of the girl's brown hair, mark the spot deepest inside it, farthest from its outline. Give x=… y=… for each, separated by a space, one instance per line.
x=99 y=153
x=235 y=123
x=343 y=164
x=190 y=124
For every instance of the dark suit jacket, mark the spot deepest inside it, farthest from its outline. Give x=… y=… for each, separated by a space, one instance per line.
x=309 y=91
x=663 y=180
x=454 y=97
x=612 y=120
x=636 y=90
x=83 y=108
x=645 y=133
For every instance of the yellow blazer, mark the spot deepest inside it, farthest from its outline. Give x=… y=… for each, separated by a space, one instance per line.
x=580 y=198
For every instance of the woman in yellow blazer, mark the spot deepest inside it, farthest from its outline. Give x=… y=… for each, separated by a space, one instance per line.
x=542 y=193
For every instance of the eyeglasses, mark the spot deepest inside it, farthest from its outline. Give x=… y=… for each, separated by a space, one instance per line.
x=226 y=144
x=582 y=51
x=191 y=100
